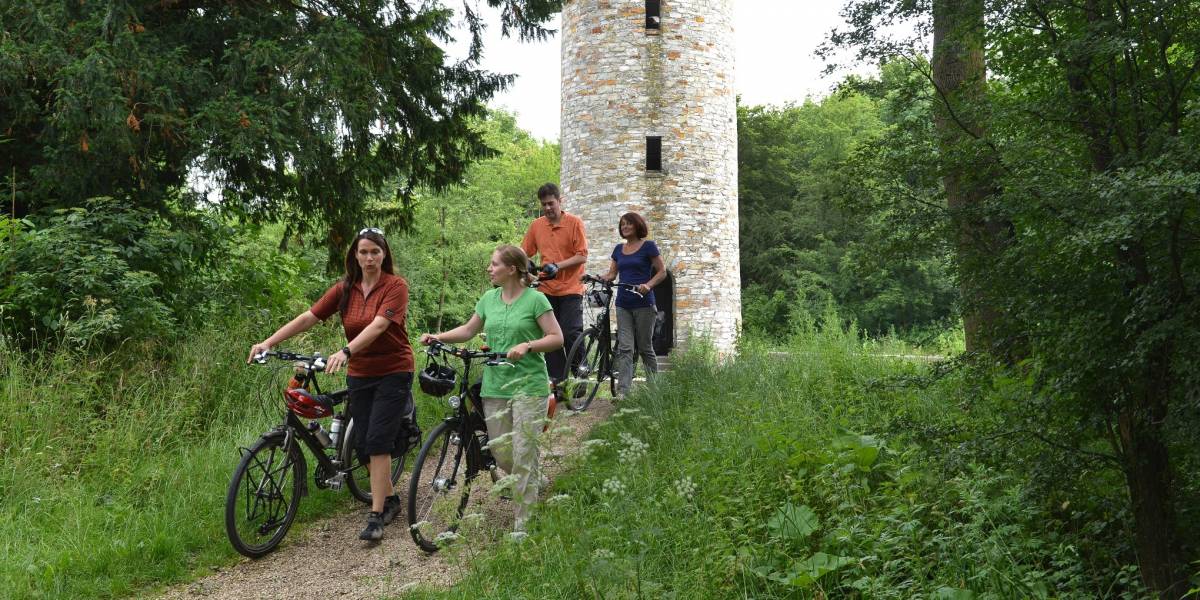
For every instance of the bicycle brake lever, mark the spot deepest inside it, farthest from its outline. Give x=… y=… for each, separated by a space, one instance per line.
x=261 y=358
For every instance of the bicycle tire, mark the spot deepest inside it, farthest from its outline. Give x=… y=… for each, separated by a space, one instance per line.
x=440 y=486
x=583 y=379
x=358 y=477
x=267 y=498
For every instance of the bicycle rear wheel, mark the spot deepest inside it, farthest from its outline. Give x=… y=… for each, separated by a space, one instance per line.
x=359 y=477
x=263 y=496
x=583 y=380
x=440 y=487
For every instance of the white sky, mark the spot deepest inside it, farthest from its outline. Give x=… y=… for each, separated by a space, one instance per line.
x=775 y=62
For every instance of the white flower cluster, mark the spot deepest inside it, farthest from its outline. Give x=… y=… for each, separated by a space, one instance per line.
x=588 y=447
x=555 y=499
x=603 y=554
x=685 y=488
x=613 y=487
x=634 y=449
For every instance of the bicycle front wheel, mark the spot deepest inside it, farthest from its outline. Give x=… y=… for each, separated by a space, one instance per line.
x=584 y=377
x=439 y=487
x=263 y=496
x=358 y=479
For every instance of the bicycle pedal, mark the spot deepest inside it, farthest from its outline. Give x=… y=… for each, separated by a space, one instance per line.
x=335 y=482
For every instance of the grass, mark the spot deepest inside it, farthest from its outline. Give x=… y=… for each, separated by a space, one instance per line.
x=113 y=468
x=820 y=472
x=809 y=476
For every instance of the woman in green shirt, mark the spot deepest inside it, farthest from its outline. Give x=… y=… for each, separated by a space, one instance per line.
x=519 y=321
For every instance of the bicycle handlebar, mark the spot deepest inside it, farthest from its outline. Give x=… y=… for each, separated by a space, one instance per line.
x=492 y=359
x=612 y=284
x=316 y=361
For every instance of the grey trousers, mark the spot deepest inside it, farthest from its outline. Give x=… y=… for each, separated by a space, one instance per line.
x=635 y=333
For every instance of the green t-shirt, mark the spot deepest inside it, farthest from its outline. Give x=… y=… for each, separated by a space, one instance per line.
x=508 y=325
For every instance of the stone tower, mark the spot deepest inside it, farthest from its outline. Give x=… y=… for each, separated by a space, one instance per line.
x=649 y=124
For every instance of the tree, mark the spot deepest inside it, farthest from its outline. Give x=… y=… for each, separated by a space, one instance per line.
x=969 y=178
x=1092 y=129
x=805 y=243
x=300 y=110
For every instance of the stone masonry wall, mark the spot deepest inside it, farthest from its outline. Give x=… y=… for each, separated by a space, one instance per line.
x=621 y=83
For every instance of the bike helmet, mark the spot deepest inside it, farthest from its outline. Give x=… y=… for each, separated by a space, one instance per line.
x=437 y=380
x=303 y=403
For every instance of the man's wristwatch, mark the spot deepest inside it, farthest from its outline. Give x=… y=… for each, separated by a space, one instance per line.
x=346 y=349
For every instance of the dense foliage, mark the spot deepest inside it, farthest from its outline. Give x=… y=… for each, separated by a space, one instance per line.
x=296 y=110
x=804 y=244
x=1088 y=130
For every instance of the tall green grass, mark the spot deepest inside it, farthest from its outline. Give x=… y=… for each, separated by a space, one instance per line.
x=113 y=468
x=798 y=475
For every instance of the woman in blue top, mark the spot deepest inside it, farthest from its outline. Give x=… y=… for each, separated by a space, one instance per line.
x=638 y=262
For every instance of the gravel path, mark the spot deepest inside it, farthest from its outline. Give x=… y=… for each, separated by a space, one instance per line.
x=326 y=558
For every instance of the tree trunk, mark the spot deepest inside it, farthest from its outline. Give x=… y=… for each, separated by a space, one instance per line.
x=960 y=79
x=1147 y=462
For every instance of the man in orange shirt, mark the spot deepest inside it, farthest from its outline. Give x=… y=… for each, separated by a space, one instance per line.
x=560 y=241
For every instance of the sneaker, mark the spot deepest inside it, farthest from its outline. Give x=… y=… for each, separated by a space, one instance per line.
x=374 y=529
x=391 y=508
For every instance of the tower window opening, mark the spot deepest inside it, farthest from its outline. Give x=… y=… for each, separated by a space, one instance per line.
x=653 y=14
x=654 y=153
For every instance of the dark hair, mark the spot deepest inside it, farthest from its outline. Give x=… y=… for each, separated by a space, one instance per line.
x=639 y=225
x=514 y=256
x=354 y=271
x=548 y=189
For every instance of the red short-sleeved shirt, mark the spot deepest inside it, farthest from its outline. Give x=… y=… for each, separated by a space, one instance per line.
x=390 y=352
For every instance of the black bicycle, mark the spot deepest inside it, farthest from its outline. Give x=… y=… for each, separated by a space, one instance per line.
x=270 y=479
x=455 y=453
x=591 y=356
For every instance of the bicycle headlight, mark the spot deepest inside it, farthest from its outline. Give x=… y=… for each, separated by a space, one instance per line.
x=454 y=401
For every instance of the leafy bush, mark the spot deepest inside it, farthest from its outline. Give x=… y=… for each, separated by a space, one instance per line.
x=102 y=272
x=107 y=272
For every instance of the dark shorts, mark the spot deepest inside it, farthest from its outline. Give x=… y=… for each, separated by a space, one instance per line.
x=383 y=413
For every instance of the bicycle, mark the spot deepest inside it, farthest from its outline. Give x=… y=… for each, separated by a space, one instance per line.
x=591 y=355
x=455 y=453
x=265 y=490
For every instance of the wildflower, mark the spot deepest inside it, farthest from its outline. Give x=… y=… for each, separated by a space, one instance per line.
x=603 y=554
x=555 y=499
x=685 y=488
x=634 y=448
x=588 y=447
x=445 y=537
x=613 y=487
x=504 y=483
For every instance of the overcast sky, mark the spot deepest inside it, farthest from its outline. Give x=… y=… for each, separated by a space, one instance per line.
x=775 y=63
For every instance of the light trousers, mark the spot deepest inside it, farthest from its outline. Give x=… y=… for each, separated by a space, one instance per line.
x=522 y=416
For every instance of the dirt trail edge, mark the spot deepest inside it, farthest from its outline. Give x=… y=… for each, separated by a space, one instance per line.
x=325 y=558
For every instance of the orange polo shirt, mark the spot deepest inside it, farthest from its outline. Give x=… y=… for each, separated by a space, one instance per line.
x=390 y=352
x=557 y=243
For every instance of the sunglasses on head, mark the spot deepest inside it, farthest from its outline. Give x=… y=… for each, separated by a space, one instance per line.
x=366 y=230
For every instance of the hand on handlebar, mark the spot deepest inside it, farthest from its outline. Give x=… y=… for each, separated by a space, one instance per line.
x=517 y=352
x=427 y=339
x=335 y=362
x=256 y=352
x=641 y=289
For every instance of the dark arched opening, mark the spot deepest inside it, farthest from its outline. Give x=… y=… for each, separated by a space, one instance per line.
x=664 y=322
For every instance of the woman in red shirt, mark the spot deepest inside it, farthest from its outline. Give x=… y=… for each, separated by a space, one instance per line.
x=372 y=302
